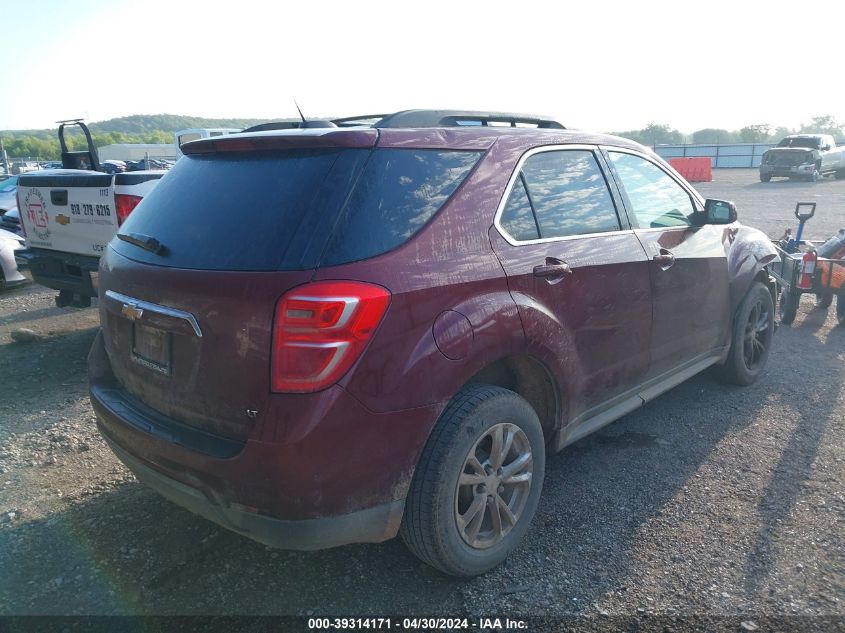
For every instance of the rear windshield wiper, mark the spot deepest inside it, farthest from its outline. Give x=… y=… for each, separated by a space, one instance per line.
x=143 y=241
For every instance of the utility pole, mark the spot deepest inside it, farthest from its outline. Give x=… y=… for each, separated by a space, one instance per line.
x=5 y=158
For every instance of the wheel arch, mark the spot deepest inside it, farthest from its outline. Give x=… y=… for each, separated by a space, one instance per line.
x=767 y=280
x=528 y=377
x=750 y=252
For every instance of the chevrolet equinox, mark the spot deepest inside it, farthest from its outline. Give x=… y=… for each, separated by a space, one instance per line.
x=361 y=328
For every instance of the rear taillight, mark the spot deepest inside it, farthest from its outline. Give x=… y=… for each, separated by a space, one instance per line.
x=125 y=205
x=320 y=330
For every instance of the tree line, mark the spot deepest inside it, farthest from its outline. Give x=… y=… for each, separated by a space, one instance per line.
x=661 y=134
x=138 y=128
x=45 y=148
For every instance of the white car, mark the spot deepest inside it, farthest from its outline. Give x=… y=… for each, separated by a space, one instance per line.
x=8 y=192
x=9 y=273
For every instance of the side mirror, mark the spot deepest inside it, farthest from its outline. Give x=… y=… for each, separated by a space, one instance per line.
x=719 y=212
x=825 y=148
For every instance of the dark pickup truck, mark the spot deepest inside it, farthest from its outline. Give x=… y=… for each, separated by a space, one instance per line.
x=806 y=156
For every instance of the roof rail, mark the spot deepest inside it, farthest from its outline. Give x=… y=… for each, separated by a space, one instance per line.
x=418 y=118
x=463 y=118
x=364 y=119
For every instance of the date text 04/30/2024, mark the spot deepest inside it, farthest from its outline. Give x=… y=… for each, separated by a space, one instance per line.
x=408 y=624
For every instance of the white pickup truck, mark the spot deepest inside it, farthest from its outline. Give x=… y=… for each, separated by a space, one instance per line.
x=807 y=156
x=69 y=215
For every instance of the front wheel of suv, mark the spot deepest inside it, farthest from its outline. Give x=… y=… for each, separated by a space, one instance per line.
x=477 y=484
x=752 y=337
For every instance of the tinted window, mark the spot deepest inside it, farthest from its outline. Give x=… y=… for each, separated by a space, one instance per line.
x=517 y=217
x=654 y=197
x=193 y=136
x=569 y=194
x=9 y=184
x=398 y=192
x=808 y=143
x=251 y=211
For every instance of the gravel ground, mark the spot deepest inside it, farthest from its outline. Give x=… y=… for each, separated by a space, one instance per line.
x=770 y=206
x=711 y=502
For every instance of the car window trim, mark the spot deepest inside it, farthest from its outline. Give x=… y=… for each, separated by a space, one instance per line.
x=615 y=190
x=517 y=172
x=695 y=197
x=530 y=203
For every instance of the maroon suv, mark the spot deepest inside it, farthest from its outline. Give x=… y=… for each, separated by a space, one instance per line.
x=324 y=336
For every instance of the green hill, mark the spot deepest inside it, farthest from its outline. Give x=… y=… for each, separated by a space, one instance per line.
x=137 y=128
x=145 y=124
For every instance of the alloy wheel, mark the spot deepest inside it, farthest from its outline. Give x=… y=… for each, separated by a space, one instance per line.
x=756 y=338
x=494 y=485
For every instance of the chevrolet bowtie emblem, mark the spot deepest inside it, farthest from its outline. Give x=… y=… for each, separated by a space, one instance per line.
x=132 y=312
x=63 y=219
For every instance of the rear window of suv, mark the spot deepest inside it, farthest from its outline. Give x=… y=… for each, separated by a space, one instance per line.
x=288 y=210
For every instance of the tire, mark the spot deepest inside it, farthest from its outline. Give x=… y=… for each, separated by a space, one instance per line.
x=431 y=527
x=823 y=300
x=765 y=177
x=788 y=306
x=840 y=174
x=840 y=309
x=815 y=177
x=751 y=339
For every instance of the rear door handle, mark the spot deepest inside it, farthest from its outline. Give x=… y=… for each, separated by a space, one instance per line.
x=553 y=270
x=665 y=259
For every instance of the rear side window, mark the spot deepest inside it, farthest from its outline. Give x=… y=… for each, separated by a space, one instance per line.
x=250 y=211
x=518 y=217
x=568 y=195
x=399 y=191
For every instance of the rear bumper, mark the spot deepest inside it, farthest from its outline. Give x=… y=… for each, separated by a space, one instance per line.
x=372 y=525
x=61 y=271
x=318 y=470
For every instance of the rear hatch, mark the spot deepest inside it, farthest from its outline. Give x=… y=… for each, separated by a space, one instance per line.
x=69 y=211
x=191 y=283
x=188 y=328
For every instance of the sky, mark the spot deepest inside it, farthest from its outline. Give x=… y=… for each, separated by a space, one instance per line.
x=600 y=65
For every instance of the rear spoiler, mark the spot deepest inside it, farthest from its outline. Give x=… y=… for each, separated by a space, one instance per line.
x=285 y=139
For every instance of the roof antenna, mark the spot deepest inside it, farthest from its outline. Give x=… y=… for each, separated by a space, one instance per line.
x=302 y=116
x=311 y=124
